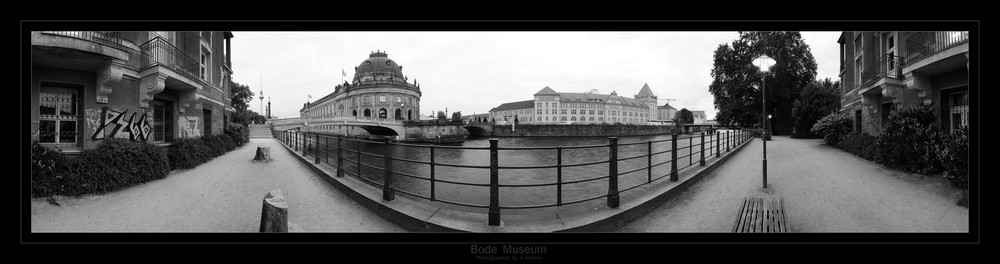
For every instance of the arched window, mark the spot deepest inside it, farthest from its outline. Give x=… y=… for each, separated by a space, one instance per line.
x=572 y=118
x=591 y=119
x=382 y=113
x=399 y=114
x=562 y=118
x=354 y=112
x=409 y=114
x=368 y=113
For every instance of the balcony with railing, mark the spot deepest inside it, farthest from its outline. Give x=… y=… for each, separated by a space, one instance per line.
x=159 y=52
x=886 y=67
x=108 y=38
x=923 y=44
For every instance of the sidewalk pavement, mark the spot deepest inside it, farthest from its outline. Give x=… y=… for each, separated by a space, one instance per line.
x=222 y=195
x=824 y=189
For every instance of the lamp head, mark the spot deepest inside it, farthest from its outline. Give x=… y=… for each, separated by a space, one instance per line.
x=764 y=63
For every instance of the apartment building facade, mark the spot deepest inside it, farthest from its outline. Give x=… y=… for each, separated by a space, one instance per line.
x=881 y=71
x=153 y=86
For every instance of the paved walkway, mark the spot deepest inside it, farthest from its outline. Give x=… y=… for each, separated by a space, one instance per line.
x=825 y=190
x=223 y=195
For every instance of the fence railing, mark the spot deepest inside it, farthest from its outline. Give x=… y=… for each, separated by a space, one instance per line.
x=888 y=66
x=322 y=146
x=110 y=38
x=922 y=44
x=158 y=51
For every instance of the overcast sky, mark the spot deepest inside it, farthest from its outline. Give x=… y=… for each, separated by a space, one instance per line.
x=475 y=71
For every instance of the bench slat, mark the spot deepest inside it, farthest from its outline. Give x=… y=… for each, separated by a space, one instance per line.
x=760 y=215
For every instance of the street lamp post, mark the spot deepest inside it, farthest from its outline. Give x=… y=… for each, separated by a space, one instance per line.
x=764 y=63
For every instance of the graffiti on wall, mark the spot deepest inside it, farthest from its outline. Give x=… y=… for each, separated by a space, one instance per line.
x=115 y=124
x=189 y=126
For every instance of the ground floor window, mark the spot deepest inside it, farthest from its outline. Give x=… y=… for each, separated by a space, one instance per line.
x=857 y=121
x=955 y=109
x=58 y=116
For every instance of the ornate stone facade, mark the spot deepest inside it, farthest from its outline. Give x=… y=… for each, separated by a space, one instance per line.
x=378 y=90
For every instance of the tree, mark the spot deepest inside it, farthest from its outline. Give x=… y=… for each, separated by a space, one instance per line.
x=736 y=82
x=441 y=116
x=684 y=116
x=818 y=99
x=241 y=96
x=456 y=116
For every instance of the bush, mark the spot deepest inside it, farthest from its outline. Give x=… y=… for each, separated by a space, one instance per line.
x=902 y=144
x=47 y=168
x=239 y=133
x=114 y=164
x=228 y=141
x=952 y=153
x=832 y=128
x=215 y=144
x=186 y=153
x=860 y=144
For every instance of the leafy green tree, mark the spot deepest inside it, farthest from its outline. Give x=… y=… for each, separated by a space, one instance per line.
x=736 y=81
x=456 y=116
x=817 y=100
x=241 y=96
x=684 y=116
x=442 y=116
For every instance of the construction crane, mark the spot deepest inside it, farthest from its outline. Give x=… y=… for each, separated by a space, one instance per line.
x=667 y=99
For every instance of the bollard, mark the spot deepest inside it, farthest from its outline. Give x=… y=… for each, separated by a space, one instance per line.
x=613 y=172
x=340 y=156
x=702 y=162
x=387 y=193
x=274 y=213
x=494 y=212
x=673 y=158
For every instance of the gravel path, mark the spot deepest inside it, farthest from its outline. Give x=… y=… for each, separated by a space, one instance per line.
x=223 y=195
x=825 y=190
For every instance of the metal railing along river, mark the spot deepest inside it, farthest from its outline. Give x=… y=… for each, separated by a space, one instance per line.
x=323 y=147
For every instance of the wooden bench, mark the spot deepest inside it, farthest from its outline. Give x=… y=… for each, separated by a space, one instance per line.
x=760 y=215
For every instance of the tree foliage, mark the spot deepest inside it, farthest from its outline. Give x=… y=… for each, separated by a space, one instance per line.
x=736 y=81
x=456 y=116
x=442 y=116
x=818 y=99
x=241 y=96
x=684 y=116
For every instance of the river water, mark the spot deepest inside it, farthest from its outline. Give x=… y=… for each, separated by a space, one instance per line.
x=525 y=196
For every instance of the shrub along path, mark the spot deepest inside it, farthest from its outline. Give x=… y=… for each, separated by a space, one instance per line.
x=222 y=195
x=825 y=190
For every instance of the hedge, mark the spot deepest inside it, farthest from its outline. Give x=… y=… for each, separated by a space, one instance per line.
x=47 y=168
x=118 y=163
x=113 y=165
x=909 y=142
x=239 y=133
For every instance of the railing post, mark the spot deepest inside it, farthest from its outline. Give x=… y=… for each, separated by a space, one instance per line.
x=649 y=161
x=613 y=172
x=326 y=150
x=295 y=141
x=729 y=142
x=559 y=176
x=432 y=173
x=387 y=193
x=340 y=156
x=702 y=162
x=690 y=146
x=316 y=149
x=717 y=142
x=673 y=158
x=494 y=212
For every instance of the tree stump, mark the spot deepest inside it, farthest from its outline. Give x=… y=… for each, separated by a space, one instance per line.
x=274 y=214
x=263 y=154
